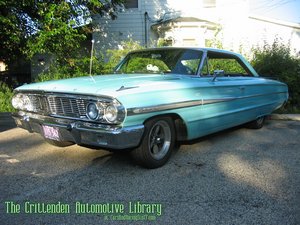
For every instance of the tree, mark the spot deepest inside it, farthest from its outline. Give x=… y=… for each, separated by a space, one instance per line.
x=46 y=26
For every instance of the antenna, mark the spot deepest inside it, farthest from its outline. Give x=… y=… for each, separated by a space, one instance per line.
x=91 y=60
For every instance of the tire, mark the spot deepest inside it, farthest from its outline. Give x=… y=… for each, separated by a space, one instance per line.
x=157 y=143
x=256 y=124
x=59 y=143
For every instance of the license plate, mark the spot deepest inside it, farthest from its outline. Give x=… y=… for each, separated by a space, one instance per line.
x=51 y=132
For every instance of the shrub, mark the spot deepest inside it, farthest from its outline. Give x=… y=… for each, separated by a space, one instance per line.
x=116 y=55
x=276 y=61
x=77 y=66
x=6 y=94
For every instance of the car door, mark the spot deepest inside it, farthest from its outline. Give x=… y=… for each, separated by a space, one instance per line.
x=226 y=81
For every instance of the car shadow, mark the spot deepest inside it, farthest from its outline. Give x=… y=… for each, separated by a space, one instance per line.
x=6 y=122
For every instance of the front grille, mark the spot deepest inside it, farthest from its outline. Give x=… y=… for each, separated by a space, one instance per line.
x=74 y=107
x=69 y=107
x=39 y=103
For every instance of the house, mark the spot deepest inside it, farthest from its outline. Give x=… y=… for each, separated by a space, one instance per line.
x=2 y=66
x=192 y=23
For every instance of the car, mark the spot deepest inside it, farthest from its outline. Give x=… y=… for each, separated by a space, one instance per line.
x=154 y=99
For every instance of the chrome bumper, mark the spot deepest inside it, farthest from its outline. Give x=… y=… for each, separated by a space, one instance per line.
x=83 y=133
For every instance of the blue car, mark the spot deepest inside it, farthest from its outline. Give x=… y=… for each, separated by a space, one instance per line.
x=154 y=98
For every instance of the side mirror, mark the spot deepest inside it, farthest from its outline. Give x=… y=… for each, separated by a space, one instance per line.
x=218 y=73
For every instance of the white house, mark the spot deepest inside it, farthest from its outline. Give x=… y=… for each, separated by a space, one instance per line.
x=192 y=23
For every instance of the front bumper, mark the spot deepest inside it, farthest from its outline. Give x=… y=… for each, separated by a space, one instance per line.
x=82 y=133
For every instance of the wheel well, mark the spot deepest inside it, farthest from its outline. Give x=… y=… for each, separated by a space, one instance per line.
x=180 y=126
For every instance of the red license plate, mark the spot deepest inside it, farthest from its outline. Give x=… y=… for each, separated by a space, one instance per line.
x=51 y=132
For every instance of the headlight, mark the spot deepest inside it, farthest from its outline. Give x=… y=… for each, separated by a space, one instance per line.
x=17 y=101
x=94 y=111
x=111 y=113
x=22 y=102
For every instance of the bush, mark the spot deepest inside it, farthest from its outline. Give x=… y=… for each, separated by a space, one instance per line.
x=116 y=55
x=276 y=61
x=78 y=66
x=75 y=67
x=6 y=94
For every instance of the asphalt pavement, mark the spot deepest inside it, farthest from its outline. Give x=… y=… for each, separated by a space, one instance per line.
x=238 y=176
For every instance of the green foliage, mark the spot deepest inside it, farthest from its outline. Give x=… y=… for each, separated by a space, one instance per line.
x=6 y=94
x=277 y=61
x=75 y=67
x=230 y=66
x=56 y=35
x=80 y=66
x=46 y=26
x=140 y=65
x=163 y=42
x=13 y=30
x=116 y=55
x=216 y=41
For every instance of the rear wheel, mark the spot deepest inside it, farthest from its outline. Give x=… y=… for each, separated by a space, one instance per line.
x=59 y=143
x=157 y=144
x=256 y=124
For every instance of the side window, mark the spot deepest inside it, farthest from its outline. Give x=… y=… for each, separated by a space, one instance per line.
x=230 y=66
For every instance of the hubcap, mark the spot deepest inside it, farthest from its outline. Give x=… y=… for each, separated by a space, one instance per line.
x=260 y=120
x=159 y=139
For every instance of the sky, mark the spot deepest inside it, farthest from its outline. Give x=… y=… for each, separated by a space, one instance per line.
x=286 y=10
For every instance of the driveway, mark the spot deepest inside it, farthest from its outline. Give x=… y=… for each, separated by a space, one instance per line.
x=238 y=176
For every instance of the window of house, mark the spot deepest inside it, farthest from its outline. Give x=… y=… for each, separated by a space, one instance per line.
x=209 y=3
x=131 y=4
x=189 y=42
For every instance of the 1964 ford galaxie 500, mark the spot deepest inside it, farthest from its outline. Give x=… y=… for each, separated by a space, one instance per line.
x=154 y=98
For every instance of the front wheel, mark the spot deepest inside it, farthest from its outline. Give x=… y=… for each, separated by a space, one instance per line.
x=256 y=124
x=157 y=144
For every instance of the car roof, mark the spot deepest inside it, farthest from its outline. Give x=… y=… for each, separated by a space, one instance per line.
x=205 y=49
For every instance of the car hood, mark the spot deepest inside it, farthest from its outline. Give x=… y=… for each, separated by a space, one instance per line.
x=109 y=85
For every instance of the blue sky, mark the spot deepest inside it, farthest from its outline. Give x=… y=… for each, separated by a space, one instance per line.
x=287 y=10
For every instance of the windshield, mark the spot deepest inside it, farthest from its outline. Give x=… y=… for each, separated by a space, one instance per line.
x=175 y=61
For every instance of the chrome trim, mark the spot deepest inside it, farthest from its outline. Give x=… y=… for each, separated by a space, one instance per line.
x=83 y=133
x=178 y=105
x=67 y=106
x=170 y=106
x=258 y=95
x=201 y=64
x=70 y=106
x=59 y=94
